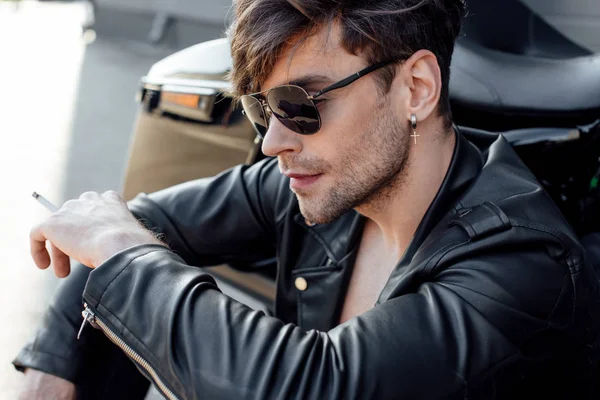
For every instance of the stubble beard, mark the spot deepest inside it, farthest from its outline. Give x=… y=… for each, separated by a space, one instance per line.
x=368 y=175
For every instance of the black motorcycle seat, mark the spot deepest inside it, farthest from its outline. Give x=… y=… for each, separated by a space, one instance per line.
x=506 y=83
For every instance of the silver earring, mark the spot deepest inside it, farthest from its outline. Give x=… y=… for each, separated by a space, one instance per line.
x=413 y=123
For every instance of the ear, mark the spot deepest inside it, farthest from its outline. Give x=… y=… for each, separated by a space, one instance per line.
x=422 y=76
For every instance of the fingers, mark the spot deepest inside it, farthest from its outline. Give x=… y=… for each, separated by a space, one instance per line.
x=89 y=196
x=114 y=196
x=37 y=247
x=60 y=262
x=111 y=194
x=74 y=228
x=94 y=195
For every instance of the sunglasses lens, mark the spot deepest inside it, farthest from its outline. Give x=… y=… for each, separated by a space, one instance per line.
x=292 y=107
x=256 y=114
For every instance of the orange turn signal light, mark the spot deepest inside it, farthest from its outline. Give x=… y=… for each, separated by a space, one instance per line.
x=181 y=99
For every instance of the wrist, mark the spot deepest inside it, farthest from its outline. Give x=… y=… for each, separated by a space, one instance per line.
x=40 y=385
x=115 y=242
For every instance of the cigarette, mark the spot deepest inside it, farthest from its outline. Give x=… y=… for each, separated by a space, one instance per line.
x=45 y=202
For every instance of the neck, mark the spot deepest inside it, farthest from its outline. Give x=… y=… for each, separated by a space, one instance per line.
x=396 y=215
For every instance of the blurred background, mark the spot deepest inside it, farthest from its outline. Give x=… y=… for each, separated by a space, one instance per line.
x=69 y=75
x=67 y=110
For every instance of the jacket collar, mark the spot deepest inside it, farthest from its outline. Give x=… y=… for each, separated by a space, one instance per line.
x=340 y=237
x=467 y=162
x=465 y=165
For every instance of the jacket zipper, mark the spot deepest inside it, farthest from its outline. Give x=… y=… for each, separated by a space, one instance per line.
x=90 y=317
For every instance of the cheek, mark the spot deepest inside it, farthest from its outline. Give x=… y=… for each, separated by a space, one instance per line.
x=350 y=112
x=346 y=121
x=343 y=133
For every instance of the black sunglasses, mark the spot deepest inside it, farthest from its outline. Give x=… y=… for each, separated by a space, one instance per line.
x=292 y=105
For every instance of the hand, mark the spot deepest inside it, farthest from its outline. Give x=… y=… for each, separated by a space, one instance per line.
x=90 y=229
x=40 y=385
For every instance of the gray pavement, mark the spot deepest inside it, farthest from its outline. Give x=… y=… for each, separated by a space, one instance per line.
x=66 y=113
x=105 y=111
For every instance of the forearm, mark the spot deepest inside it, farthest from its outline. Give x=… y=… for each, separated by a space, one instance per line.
x=225 y=219
x=192 y=219
x=200 y=342
x=40 y=385
x=55 y=348
x=89 y=362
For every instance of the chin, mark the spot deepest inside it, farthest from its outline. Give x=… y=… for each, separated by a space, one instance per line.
x=316 y=212
x=310 y=213
x=312 y=219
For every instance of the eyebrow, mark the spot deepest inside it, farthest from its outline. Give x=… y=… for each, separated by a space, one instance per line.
x=311 y=79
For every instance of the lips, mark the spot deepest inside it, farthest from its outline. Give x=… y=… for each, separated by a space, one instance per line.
x=302 y=181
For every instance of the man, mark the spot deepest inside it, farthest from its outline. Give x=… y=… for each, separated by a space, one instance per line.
x=411 y=263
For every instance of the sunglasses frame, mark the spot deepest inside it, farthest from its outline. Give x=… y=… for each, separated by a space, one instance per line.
x=262 y=96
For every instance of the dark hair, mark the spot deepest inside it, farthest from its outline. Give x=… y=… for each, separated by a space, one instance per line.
x=378 y=30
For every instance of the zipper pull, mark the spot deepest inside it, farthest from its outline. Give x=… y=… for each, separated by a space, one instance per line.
x=88 y=317
x=81 y=329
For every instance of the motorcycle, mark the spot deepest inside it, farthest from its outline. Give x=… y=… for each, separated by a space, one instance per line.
x=542 y=92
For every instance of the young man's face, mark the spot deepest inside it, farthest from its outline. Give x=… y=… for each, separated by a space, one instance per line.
x=361 y=151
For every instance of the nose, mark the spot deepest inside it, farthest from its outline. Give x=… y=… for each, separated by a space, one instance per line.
x=279 y=140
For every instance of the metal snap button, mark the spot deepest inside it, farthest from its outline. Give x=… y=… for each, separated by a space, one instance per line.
x=301 y=284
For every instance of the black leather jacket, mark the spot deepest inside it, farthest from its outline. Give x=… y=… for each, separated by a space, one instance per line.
x=492 y=299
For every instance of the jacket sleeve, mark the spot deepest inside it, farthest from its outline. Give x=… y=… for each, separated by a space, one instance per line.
x=197 y=220
x=428 y=344
x=229 y=218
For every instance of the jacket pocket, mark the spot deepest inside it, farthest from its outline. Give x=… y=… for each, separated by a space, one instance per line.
x=318 y=292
